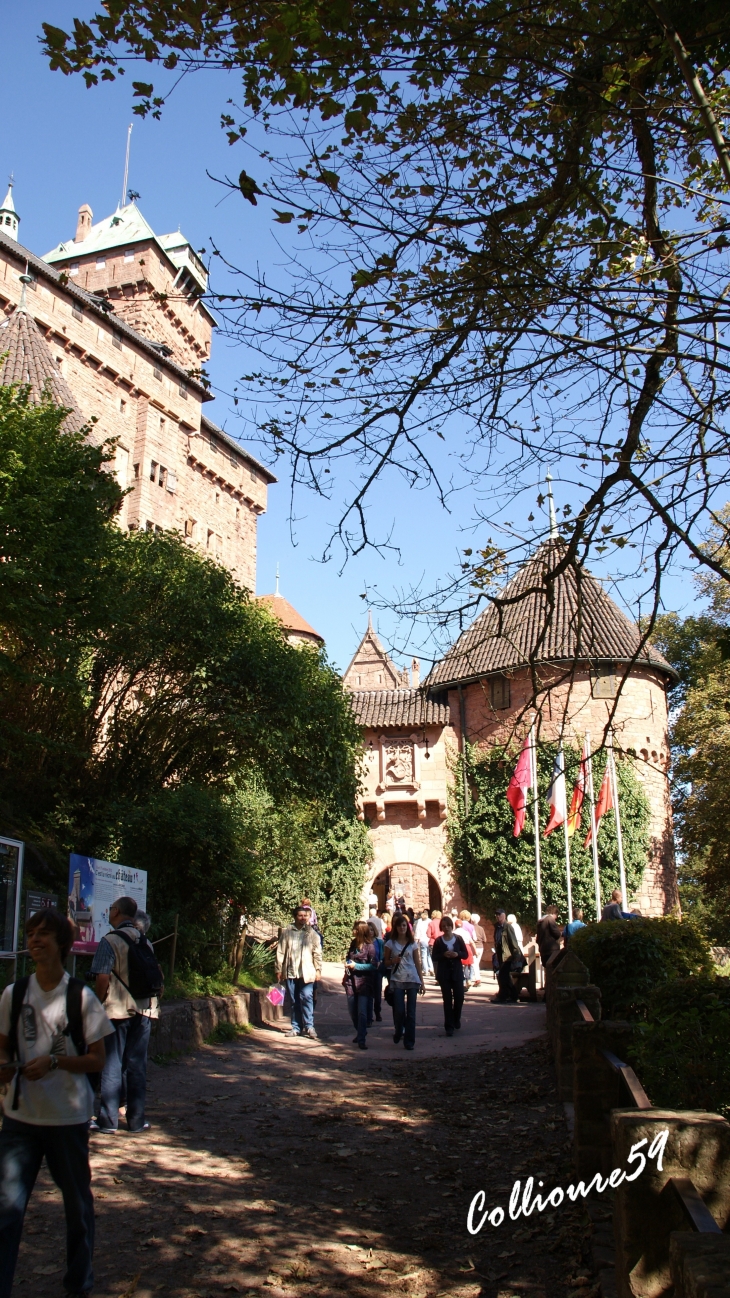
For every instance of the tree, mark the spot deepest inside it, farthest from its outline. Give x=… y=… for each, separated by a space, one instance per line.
x=513 y=225
x=699 y=648
x=142 y=691
x=496 y=869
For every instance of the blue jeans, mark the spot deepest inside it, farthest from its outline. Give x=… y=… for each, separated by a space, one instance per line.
x=405 y=1000
x=126 y=1053
x=360 y=1008
x=426 y=962
x=301 y=995
x=22 y=1147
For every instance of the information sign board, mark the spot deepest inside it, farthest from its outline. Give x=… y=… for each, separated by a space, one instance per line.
x=92 y=887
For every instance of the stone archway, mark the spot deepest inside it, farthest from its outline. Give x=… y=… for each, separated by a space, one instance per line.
x=420 y=887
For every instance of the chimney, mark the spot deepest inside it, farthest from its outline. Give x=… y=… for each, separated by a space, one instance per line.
x=84 y=223
x=415 y=674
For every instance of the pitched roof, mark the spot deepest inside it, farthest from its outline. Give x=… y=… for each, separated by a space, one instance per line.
x=29 y=361
x=100 y=310
x=207 y=426
x=288 y=616
x=399 y=708
x=371 y=659
x=544 y=618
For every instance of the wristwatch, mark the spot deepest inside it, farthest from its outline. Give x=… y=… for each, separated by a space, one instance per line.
x=53 y=1064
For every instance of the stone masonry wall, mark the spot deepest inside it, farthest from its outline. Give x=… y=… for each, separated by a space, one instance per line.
x=207 y=492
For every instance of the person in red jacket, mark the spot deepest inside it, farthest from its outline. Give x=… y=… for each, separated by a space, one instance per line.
x=434 y=933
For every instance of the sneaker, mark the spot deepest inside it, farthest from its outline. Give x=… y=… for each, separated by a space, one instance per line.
x=407 y=1046
x=292 y=1033
x=139 y=1131
x=396 y=1037
x=103 y=1131
x=310 y=1032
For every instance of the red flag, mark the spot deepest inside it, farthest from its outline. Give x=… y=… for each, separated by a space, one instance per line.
x=604 y=804
x=579 y=791
x=519 y=784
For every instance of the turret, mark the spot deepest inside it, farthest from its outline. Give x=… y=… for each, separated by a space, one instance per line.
x=9 y=218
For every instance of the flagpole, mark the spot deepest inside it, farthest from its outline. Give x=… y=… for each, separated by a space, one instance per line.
x=536 y=819
x=567 y=839
x=619 y=837
x=594 y=835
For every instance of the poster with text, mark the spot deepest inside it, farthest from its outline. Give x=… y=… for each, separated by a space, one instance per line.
x=92 y=887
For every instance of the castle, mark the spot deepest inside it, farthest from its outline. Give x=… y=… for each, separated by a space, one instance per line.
x=113 y=324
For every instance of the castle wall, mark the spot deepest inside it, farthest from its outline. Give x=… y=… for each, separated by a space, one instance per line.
x=207 y=491
x=567 y=706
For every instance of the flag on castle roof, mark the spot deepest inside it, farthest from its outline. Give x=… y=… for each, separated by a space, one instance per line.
x=546 y=614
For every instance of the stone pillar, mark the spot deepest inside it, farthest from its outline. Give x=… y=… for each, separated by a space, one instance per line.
x=597 y=1089
x=700 y=1265
x=645 y=1212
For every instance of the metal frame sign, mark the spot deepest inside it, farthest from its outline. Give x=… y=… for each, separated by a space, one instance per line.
x=92 y=887
x=11 y=883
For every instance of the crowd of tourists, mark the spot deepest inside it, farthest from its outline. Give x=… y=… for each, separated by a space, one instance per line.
x=73 y=1061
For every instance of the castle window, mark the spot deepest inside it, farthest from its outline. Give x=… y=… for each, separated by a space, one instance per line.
x=122 y=406
x=157 y=374
x=499 y=693
x=162 y=476
x=117 y=340
x=153 y=470
x=136 y=470
x=129 y=254
x=74 y=270
x=171 y=483
x=183 y=392
x=604 y=682
x=76 y=312
x=190 y=527
x=209 y=539
x=101 y=263
x=254 y=476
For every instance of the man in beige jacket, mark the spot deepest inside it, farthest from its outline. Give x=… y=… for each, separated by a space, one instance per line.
x=299 y=965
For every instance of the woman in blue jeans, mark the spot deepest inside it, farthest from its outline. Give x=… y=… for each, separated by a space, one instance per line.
x=359 y=980
x=403 y=963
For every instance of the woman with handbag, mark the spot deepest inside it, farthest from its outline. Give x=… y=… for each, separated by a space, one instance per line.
x=359 y=980
x=379 y=972
x=465 y=931
x=449 y=959
x=403 y=963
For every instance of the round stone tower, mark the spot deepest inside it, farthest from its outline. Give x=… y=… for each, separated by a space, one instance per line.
x=555 y=647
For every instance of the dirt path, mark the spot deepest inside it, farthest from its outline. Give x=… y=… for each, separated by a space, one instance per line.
x=297 y=1168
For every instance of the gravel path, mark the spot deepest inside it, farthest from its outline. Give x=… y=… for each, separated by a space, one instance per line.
x=290 y=1169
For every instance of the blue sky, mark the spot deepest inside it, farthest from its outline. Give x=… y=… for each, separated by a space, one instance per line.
x=65 y=146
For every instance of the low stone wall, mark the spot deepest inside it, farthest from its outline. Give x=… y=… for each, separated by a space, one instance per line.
x=185 y=1025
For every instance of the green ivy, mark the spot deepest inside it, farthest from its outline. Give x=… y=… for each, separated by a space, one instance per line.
x=494 y=868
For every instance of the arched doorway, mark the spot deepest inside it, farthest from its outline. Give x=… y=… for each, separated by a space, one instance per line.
x=420 y=889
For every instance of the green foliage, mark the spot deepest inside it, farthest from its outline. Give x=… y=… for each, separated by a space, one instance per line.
x=146 y=702
x=630 y=959
x=683 y=1050
x=494 y=868
x=227 y=1032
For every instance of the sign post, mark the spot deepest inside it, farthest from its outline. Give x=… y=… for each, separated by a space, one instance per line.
x=11 y=884
x=92 y=887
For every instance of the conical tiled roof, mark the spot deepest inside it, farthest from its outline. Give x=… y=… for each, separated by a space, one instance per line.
x=29 y=361
x=288 y=616
x=543 y=618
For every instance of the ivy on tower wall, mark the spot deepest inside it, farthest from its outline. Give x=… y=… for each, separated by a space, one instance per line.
x=494 y=868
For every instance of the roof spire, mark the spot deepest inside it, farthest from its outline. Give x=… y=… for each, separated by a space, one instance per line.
x=276 y=592
x=551 y=506
x=8 y=216
x=370 y=620
x=25 y=280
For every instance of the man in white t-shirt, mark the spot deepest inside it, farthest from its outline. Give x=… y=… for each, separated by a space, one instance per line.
x=48 y=1102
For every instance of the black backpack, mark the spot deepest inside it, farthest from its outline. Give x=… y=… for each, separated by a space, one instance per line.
x=145 y=975
x=74 y=1026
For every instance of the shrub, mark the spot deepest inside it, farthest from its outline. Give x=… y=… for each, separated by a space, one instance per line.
x=682 y=1052
x=630 y=959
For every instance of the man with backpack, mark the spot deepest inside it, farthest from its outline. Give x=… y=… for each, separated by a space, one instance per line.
x=52 y=1033
x=128 y=982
